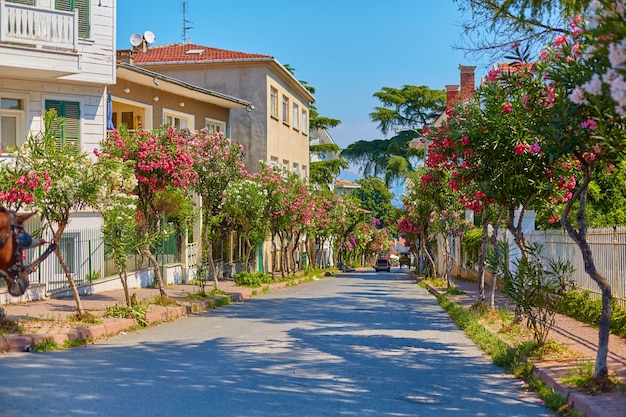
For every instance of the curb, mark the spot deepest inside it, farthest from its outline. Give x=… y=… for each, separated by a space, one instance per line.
x=575 y=399
x=112 y=327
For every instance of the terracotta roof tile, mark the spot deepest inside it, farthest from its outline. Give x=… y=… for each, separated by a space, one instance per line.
x=509 y=67
x=192 y=53
x=344 y=183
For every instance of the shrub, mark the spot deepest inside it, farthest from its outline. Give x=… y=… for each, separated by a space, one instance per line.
x=246 y=279
x=536 y=290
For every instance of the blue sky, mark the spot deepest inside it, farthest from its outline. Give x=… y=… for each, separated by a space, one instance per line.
x=347 y=49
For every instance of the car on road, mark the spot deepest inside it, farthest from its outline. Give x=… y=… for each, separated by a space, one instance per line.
x=383 y=262
x=405 y=259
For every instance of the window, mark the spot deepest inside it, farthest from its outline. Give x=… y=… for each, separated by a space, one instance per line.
x=296 y=168
x=285 y=109
x=273 y=161
x=83 y=14
x=294 y=115
x=304 y=125
x=69 y=131
x=214 y=125
x=177 y=120
x=285 y=166
x=11 y=121
x=128 y=119
x=305 y=173
x=274 y=102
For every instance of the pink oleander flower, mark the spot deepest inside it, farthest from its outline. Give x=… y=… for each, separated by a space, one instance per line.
x=535 y=148
x=521 y=148
x=507 y=108
x=560 y=41
x=492 y=75
x=465 y=140
x=589 y=124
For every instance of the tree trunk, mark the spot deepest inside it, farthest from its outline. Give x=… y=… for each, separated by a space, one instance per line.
x=121 y=272
x=447 y=261
x=311 y=252
x=248 y=254
x=294 y=248
x=212 y=268
x=580 y=237
x=494 y=278
x=483 y=257
x=80 y=312
x=157 y=271
x=430 y=258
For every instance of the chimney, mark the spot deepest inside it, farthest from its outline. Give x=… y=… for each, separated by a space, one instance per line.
x=452 y=95
x=467 y=82
x=125 y=56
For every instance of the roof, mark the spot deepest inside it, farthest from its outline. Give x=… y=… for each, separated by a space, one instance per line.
x=189 y=53
x=346 y=184
x=146 y=77
x=509 y=67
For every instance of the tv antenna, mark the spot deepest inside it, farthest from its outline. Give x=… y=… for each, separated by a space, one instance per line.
x=185 y=24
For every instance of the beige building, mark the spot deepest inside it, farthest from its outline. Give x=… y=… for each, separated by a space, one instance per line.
x=143 y=99
x=275 y=128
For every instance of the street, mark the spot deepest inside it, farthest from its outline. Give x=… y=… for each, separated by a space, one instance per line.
x=356 y=344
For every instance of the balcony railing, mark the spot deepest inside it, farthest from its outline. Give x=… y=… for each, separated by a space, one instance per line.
x=38 y=27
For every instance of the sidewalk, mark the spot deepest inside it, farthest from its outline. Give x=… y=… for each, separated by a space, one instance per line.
x=48 y=319
x=579 y=338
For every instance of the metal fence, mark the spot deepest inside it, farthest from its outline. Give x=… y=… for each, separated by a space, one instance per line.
x=84 y=254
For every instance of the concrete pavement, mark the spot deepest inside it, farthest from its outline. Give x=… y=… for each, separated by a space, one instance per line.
x=49 y=319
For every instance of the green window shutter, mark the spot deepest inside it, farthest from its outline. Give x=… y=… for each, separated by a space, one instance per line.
x=26 y=2
x=83 y=14
x=70 y=130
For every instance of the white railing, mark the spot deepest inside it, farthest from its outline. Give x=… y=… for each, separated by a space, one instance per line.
x=42 y=28
x=608 y=247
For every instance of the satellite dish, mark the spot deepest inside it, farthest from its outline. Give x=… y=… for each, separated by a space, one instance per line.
x=136 y=39
x=149 y=36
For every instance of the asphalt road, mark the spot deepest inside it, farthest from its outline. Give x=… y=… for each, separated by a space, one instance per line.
x=358 y=344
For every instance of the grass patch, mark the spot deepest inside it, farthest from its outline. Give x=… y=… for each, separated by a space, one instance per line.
x=161 y=300
x=454 y=291
x=48 y=345
x=221 y=301
x=45 y=345
x=207 y=295
x=85 y=318
x=512 y=358
x=10 y=326
x=136 y=312
x=582 y=378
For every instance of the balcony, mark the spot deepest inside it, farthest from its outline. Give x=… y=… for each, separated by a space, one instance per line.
x=38 y=43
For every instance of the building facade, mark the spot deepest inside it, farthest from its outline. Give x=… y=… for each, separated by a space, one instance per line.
x=275 y=128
